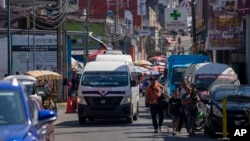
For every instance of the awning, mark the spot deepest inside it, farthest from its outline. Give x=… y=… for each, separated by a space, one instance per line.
x=44 y=75
x=91 y=57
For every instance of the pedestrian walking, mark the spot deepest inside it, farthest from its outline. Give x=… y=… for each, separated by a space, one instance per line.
x=195 y=100
x=153 y=92
x=174 y=109
x=145 y=84
x=69 y=85
x=140 y=88
x=189 y=106
x=182 y=91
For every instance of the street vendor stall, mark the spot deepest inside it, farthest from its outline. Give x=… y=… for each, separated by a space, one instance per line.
x=44 y=75
x=47 y=82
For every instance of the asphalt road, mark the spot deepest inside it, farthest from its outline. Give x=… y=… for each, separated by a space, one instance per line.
x=67 y=128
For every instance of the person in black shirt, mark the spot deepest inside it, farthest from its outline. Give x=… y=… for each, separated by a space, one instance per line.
x=174 y=110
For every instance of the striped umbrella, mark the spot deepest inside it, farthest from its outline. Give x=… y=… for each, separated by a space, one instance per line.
x=142 y=63
x=44 y=75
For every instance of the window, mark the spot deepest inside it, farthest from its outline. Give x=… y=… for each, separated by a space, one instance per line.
x=73 y=2
x=105 y=79
x=13 y=113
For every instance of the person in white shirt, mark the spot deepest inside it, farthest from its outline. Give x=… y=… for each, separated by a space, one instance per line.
x=182 y=91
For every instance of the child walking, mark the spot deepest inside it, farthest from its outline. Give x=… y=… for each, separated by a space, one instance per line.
x=174 y=110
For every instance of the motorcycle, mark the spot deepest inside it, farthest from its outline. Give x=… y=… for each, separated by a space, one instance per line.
x=199 y=121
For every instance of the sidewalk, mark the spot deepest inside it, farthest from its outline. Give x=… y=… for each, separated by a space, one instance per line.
x=62 y=104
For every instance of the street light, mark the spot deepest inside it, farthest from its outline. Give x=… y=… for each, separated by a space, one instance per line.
x=84 y=14
x=86 y=26
x=194 y=27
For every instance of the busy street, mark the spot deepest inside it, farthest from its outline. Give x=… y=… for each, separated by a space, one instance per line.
x=67 y=128
x=124 y=70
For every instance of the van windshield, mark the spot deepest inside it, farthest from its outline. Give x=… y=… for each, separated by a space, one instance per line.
x=178 y=74
x=105 y=79
x=236 y=92
x=204 y=82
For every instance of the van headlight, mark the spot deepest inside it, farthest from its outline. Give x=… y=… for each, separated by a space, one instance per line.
x=217 y=111
x=126 y=100
x=81 y=100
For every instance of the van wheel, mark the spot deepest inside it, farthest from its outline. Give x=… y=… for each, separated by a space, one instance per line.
x=206 y=130
x=91 y=119
x=211 y=133
x=135 y=117
x=82 y=121
x=130 y=118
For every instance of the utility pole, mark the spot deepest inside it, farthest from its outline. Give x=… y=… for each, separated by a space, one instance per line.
x=116 y=41
x=28 y=53
x=61 y=92
x=34 y=35
x=87 y=32
x=9 y=43
x=194 y=27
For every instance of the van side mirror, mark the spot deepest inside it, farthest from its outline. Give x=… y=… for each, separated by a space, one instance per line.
x=133 y=83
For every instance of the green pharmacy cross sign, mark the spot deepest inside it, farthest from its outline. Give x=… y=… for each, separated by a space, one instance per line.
x=175 y=14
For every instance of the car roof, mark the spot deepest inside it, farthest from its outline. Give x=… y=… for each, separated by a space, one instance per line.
x=228 y=86
x=106 y=66
x=10 y=84
x=114 y=52
x=24 y=79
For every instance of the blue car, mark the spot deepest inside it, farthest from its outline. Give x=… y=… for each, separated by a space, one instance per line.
x=19 y=120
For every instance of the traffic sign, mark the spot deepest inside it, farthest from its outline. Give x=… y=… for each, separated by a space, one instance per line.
x=144 y=32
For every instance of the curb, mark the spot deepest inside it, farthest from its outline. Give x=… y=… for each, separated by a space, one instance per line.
x=62 y=104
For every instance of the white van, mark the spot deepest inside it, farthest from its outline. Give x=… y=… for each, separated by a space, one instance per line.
x=206 y=75
x=108 y=89
x=117 y=58
x=108 y=57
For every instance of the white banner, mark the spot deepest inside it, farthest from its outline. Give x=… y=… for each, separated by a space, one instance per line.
x=176 y=18
x=166 y=2
x=141 y=7
x=45 y=53
x=2 y=4
x=128 y=21
x=187 y=4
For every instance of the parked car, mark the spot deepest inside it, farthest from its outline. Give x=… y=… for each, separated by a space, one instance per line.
x=49 y=127
x=29 y=82
x=238 y=101
x=18 y=119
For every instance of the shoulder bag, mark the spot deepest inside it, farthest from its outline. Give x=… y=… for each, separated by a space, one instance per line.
x=162 y=100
